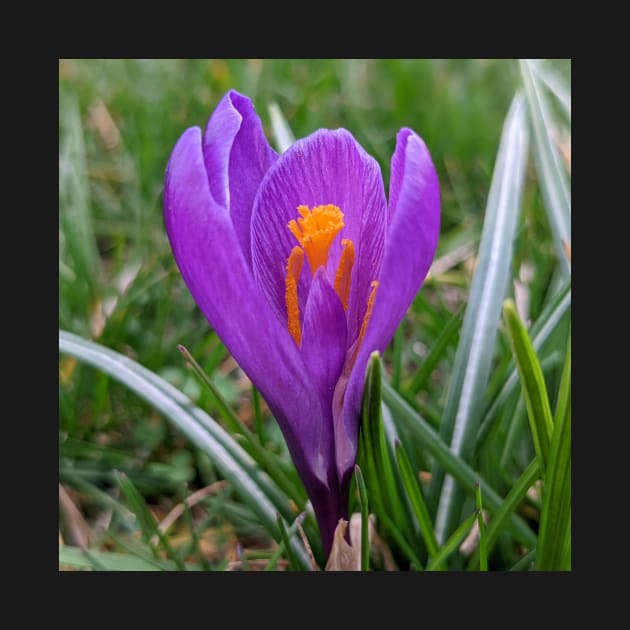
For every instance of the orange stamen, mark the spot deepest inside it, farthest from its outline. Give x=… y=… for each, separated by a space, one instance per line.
x=368 y=313
x=294 y=269
x=315 y=231
x=344 y=271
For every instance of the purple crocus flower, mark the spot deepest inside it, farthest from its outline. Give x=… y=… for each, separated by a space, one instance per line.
x=303 y=269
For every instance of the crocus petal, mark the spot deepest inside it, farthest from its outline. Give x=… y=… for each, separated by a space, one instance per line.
x=324 y=339
x=212 y=264
x=237 y=156
x=409 y=249
x=323 y=350
x=397 y=170
x=327 y=167
x=412 y=239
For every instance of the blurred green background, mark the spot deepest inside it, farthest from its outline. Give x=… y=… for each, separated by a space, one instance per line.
x=118 y=283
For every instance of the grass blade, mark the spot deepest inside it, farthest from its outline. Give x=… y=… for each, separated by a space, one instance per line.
x=540 y=332
x=525 y=563
x=367 y=454
x=452 y=543
x=144 y=518
x=234 y=423
x=564 y=392
x=429 y=363
x=451 y=463
x=258 y=418
x=260 y=493
x=554 y=82
x=293 y=563
x=394 y=532
x=112 y=561
x=374 y=456
x=511 y=502
x=397 y=357
x=552 y=177
x=416 y=499
x=277 y=554
x=146 y=521
x=280 y=128
x=141 y=551
x=483 y=544
x=473 y=359
x=75 y=221
x=252 y=445
x=273 y=561
x=532 y=383
x=554 y=538
x=514 y=498
x=365 y=512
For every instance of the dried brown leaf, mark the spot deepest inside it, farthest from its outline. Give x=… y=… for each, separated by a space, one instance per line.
x=343 y=557
x=78 y=532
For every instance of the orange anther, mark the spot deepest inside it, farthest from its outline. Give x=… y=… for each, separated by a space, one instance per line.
x=294 y=269
x=315 y=231
x=344 y=272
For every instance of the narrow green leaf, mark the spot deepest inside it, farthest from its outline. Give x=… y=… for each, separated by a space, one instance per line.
x=96 y=563
x=452 y=543
x=544 y=326
x=532 y=383
x=564 y=391
x=483 y=543
x=367 y=448
x=365 y=513
x=552 y=177
x=374 y=457
x=97 y=495
x=554 y=537
x=399 y=539
x=293 y=563
x=526 y=562
x=251 y=444
x=277 y=554
x=65 y=273
x=258 y=419
x=255 y=487
x=451 y=463
x=76 y=230
x=552 y=80
x=516 y=418
x=234 y=423
x=518 y=421
x=414 y=492
x=111 y=561
x=514 y=498
x=475 y=352
x=280 y=128
x=430 y=362
x=146 y=521
x=397 y=357
x=143 y=551
x=144 y=518
x=273 y=561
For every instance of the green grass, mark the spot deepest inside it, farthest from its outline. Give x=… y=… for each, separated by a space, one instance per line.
x=143 y=427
